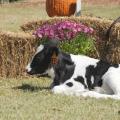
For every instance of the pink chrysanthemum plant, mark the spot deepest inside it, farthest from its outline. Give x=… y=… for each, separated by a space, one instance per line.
x=64 y=31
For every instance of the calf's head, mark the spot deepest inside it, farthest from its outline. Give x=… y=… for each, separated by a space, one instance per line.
x=41 y=61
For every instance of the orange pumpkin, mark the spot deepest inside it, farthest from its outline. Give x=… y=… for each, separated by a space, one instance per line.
x=60 y=7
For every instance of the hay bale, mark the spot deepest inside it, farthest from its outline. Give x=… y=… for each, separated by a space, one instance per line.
x=111 y=54
x=15 y=51
x=90 y=21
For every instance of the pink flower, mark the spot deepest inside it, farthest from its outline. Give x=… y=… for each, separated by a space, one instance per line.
x=91 y=30
x=62 y=30
x=40 y=35
x=86 y=30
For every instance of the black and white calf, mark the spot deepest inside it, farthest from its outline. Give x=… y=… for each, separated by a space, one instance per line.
x=76 y=74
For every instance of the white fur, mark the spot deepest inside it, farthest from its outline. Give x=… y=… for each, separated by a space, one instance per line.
x=62 y=89
x=39 y=49
x=28 y=68
x=92 y=79
x=112 y=81
x=81 y=63
x=51 y=73
x=109 y=89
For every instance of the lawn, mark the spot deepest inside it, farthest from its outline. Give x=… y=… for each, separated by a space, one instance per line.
x=14 y=15
x=109 y=11
x=30 y=99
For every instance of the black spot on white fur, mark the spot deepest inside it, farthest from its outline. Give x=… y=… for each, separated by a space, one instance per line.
x=69 y=84
x=81 y=80
x=97 y=72
x=41 y=61
x=64 y=69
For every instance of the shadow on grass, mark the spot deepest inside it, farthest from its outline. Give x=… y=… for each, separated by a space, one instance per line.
x=27 y=87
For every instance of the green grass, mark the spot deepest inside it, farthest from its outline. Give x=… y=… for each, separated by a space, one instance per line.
x=81 y=44
x=11 y=16
x=29 y=99
x=106 y=11
x=14 y=15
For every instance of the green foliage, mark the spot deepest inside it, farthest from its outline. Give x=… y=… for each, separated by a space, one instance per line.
x=81 y=44
x=30 y=99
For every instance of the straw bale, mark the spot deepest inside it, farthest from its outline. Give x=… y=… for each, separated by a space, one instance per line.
x=15 y=51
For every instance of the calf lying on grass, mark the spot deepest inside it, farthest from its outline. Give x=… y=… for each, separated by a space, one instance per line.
x=76 y=74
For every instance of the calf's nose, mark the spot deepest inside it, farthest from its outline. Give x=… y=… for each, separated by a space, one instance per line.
x=28 y=69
